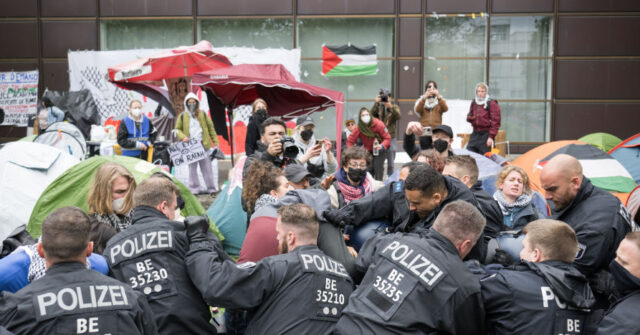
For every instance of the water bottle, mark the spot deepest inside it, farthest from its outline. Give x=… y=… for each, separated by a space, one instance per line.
x=376 y=151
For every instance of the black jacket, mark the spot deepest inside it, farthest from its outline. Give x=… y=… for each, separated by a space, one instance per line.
x=622 y=317
x=522 y=217
x=409 y=144
x=600 y=222
x=70 y=299
x=490 y=209
x=262 y=154
x=150 y=256
x=537 y=298
x=413 y=284
x=300 y=292
x=253 y=134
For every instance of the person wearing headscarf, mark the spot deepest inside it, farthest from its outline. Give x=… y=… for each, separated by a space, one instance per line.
x=371 y=130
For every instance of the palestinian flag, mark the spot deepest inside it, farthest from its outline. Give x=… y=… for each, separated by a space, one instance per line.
x=349 y=60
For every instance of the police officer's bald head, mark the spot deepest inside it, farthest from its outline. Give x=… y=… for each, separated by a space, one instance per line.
x=65 y=235
x=561 y=179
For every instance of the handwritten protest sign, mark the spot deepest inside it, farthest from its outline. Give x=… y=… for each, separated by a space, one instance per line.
x=186 y=152
x=18 y=96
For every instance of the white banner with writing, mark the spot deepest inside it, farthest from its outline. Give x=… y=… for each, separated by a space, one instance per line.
x=18 y=96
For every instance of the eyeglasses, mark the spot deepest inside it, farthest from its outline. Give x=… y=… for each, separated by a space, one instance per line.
x=357 y=166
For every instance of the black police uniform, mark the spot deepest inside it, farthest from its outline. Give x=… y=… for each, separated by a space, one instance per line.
x=301 y=292
x=490 y=210
x=71 y=299
x=149 y=256
x=551 y=297
x=414 y=284
x=622 y=317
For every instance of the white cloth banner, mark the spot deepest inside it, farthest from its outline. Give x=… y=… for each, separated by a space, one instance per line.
x=88 y=70
x=183 y=153
x=456 y=118
x=18 y=96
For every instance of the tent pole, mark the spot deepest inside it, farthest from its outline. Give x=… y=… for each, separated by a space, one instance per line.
x=231 y=144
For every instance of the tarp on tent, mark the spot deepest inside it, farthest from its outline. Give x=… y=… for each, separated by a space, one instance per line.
x=628 y=154
x=602 y=141
x=486 y=167
x=227 y=213
x=72 y=189
x=26 y=169
x=79 y=108
x=66 y=137
x=603 y=171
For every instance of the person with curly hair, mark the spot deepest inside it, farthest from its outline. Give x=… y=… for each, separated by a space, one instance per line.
x=111 y=196
x=264 y=184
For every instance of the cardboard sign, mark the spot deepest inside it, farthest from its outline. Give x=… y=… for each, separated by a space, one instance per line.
x=186 y=152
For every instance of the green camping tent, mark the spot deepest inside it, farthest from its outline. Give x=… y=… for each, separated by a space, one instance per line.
x=72 y=189
x=602 y=141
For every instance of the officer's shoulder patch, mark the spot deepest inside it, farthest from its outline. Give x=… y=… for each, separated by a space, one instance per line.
x=397 y=187
x=582 y=248
x=246 y=265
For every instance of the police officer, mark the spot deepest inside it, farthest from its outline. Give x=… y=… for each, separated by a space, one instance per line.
x=417 y=282
x=300 y=291
x=598 y=218
x=622 y=317
x=545 y=293
x=149 y=256
x=71 y=299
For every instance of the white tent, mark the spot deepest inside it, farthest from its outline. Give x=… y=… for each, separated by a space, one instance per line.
x=26 y=169
x=66 y=137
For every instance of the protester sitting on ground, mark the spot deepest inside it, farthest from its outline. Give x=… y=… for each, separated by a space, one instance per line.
x=156 y=265
x=258 y=115
x=270 y=148
x=545 y=293
x=25 y=264
x=514 y=196
x=264 y=184
x=110 y=198
x=371 y=130
x=195 y=124
x=136 y=133
x=352 y=181
x=49 y=114
x=416 y=283
x=70 y=299
x=622 y=317
x=440 y=140
x=432 y=158
x=275 y=287
x=315 y=155
x=465 y=169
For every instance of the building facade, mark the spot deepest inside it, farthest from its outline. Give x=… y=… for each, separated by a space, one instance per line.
x=559 y=68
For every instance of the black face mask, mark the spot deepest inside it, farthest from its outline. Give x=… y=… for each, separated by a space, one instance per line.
x=625 y=282
x=262 y=113
x=441 y=145
x=356 y=175
x=306 y=134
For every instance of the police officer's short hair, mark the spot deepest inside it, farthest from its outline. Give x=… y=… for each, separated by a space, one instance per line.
x=465 y=165
x=556 y=239
x=301 y=216
x=460 y=221
x=411 y=165
x=65 y=233
x=271 y=121
x=425 y=179
x=153 y=191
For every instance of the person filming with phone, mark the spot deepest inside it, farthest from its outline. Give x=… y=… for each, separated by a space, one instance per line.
x=389 y=113
x=429 y=108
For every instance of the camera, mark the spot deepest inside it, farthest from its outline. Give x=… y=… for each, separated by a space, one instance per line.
x=384 y=95
x=289 y=148
x=426 y=131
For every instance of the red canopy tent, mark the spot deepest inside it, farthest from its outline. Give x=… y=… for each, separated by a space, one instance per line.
x=241 y=84
x=145 y=75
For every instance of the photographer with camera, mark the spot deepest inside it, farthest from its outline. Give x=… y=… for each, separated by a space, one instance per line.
x=315 y=155
x=439 y=138
x=375 y=139
x=429 y=108
x=274 y=145
x=389 y=113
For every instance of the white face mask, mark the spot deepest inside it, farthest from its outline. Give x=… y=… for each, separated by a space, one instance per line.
x=117 y=204
x=366 y=119
x=136 y=112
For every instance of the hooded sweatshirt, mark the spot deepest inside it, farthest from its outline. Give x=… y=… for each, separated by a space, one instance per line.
x=186 y=128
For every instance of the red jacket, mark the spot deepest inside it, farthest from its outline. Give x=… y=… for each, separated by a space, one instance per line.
x=482 y=119
x=367 y=142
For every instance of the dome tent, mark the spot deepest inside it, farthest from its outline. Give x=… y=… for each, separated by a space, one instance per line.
x=72 y=189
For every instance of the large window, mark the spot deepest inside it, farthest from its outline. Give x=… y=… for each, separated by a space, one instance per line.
x=145 y=34
x=518 y=67
x=255 y=33
x=359 y=91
